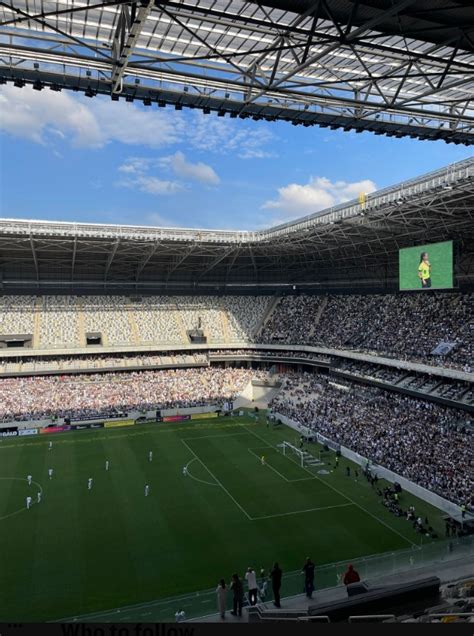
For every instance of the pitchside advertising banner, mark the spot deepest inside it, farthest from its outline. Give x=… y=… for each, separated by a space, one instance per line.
x=176 y=418
x=27 y=431
x=10 y=431
x=83 y=427
x=55 y=429
x=202 y=416
x=118 y=423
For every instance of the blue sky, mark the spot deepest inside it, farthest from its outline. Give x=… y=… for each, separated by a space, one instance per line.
x=66 y=157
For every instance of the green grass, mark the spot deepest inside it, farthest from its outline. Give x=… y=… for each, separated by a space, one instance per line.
x=79 y=551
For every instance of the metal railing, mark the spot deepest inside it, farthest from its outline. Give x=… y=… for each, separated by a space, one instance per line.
x=378 y=566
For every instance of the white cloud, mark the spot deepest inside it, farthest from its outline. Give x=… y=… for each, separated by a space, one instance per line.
x=51 y=117
x=40 y=116
x=319 y=193
x=33 y=115
x=151 y=185
x=187 y=170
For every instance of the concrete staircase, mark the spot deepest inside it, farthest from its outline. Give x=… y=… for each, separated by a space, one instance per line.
x=133 y=325
x=38 y=312
x=181 y=325
x=267 y=314
x=318 y=315
x=225 y=326
x=81 y=323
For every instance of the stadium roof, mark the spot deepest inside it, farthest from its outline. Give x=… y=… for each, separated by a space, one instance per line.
x=353 y=245
x=395 y=67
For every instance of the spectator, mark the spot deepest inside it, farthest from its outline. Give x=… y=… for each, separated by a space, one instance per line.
x=308 y=571
x=351 y=575
x=251 y=579
x=276 y=576
x=222 y=598
x=238 y=595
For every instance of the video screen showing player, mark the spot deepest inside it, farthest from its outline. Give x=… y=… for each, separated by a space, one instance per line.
x=426 y=266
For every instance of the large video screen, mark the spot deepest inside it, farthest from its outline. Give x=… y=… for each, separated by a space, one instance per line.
x=427 y=266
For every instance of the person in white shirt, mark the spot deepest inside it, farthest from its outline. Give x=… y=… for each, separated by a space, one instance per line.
x=89 y=483
x=106 y=464
x=38 y=497
x=150 y=456
x=29 y=478
x=180 y=616
x=28 y=503
x=251 y=579
x=50 y=446
x=50 y=473
x=147 y=490
x=185 y=470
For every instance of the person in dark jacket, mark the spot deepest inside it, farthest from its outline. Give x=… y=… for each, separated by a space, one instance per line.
x=308 y=571
x=238 y=594
x=276 y=575
x=351 y=575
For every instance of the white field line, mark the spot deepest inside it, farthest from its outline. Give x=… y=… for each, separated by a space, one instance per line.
x=211 y=436
x=12 y=514
x=217 y=481
x=341 y=493
x=208 y=483
x=299 y=512
x=267 y=464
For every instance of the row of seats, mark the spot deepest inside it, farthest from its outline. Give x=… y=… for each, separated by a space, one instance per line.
x=63 y=321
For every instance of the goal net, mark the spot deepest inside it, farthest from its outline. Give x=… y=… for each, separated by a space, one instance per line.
x=290 y=449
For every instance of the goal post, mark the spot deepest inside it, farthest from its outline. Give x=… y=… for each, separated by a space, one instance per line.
x=291 y=449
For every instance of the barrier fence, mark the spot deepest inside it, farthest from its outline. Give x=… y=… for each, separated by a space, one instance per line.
x=374 y=567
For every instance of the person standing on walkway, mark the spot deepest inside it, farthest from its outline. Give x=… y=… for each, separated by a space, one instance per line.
x=308 y=571
x=222 y=598
x=351 y=575
x=251 y=579
x=238 y=595
x=276 y=575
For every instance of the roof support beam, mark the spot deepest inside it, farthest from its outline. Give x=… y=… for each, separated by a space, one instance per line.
x=129 y=27
x=216 y=262
x=74 y=252
x=35 y=258
x=111 y=258
x=143 y=263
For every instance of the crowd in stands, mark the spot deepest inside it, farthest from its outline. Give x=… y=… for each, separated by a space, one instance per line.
x=435 y=385
x=100 y=361
x=427 y=443
x=403 y=326
x=63 y=321
x=113 y=393
x=270 y=353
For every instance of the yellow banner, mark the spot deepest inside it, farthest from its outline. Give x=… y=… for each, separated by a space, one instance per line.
x=202 y=416
x=117 y=423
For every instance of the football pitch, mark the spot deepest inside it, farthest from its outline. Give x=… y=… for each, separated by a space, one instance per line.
x=82 y=551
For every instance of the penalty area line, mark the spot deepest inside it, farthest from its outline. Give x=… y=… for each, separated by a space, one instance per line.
x=217 y=481
x=299 y=512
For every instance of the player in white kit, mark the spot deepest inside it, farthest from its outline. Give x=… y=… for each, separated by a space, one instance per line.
x=89 y=483
x=185 y=470
x=29 y=478
x=38 y=496
x=50 y=473
x=106 y=464
x=28 y=503
x=150 y=456
x=147 y=490
x=50 y=445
